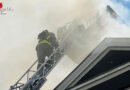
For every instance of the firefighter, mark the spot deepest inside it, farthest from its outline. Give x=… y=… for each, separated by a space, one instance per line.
x=47 y=43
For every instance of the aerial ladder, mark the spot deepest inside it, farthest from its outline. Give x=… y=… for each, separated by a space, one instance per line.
x=36 y=82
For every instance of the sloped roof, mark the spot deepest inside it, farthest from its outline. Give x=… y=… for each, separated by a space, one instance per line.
x=90 y=61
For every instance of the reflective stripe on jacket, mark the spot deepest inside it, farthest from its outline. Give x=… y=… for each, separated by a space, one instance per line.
x=46 y=41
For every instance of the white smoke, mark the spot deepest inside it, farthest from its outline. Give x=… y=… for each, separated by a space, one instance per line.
x=99 y=24
x=19 y=30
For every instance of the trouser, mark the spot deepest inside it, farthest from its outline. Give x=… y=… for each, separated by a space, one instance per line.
x=44 y=50
x=46 y=67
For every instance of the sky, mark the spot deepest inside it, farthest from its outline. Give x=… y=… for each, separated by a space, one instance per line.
x=122 y=8
x=126 y=3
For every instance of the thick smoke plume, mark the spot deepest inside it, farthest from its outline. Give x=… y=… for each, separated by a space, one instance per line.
x=98 y=24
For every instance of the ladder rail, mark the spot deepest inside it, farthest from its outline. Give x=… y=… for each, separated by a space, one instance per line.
x=29 y=69
x=43 y=65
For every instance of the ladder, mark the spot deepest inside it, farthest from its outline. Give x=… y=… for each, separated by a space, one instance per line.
x=36 y=82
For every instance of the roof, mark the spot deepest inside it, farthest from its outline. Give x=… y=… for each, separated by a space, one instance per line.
x=90 y=61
